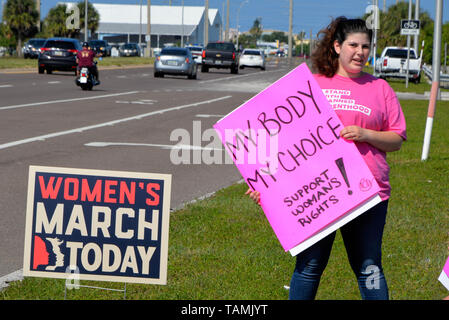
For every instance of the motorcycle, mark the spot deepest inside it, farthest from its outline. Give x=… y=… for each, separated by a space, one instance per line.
x=86 y=79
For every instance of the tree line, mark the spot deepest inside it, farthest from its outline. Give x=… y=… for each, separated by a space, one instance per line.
x=20 y=22
x=21 y=17
x=389 y=33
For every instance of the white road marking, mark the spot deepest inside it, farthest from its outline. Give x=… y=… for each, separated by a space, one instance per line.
x=65 y=100
x=105 y=124
x=53 y=82
x=6 y=86
x=240 y=76
x=210 y=115
x=143 y=101
x=162 y=146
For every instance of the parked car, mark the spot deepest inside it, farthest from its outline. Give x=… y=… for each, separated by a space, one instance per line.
x=393 y=63
x=175 y=61
x=129 y=50
x=280 y=53
x=58 y=54
x=100 y=46
x=31 y=48
x=253 y=58
x=197 y=52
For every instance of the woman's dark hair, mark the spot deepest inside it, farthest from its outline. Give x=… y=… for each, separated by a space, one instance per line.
x=324 y=58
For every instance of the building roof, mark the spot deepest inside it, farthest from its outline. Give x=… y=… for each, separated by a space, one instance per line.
x=158 y=29
x=165 y=20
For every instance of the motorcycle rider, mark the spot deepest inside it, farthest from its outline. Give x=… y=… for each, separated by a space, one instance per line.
x=85 y=58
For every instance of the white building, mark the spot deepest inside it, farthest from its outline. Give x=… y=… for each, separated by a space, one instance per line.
x=123 y=23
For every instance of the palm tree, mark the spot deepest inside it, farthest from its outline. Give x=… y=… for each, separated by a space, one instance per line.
x=55 y=22
x=93 y=17
x=21 y=16
x=389 y=33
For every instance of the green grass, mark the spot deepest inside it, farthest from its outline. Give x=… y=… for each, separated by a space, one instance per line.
x=13 y=63
x=398 y=84
x=223 y=247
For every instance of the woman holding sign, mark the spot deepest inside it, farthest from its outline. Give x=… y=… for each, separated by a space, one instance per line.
x=373 y=120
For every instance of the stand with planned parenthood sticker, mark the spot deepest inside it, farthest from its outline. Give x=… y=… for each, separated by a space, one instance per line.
x=444 y=276
x=285 y=142
x=97 y=225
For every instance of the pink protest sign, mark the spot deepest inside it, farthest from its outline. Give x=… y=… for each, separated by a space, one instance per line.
x=285 y=142
x=444 y=276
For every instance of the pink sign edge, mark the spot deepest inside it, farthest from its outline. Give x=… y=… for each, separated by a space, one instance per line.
x=339 y=222
x=260 y=92
x=444 y=277
x=336 y=224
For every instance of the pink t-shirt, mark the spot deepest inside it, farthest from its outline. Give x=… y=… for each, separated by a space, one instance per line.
x=371 y=103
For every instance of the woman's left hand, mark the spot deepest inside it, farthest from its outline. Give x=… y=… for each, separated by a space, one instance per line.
x=386 y=141
x=354 y=133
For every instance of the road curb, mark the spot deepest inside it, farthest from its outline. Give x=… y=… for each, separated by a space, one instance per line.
x=13 y=276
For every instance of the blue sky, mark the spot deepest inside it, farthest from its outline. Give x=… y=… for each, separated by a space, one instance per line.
x=307 y=14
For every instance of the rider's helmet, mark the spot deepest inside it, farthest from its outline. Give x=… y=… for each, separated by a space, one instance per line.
x=85 y=45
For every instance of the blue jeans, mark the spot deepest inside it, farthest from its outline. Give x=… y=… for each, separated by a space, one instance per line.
x=362 y=238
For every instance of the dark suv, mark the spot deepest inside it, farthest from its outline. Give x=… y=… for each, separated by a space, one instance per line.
x=32 y=47
x=129 y=49
x=58 y=54
x=100 y=46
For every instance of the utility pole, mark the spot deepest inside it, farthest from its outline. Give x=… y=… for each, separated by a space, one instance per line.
x=140 y=24
x=408 y=43
x=86 y=20
x=222 y=26
x=182 y=22
x=38 y=8
x=445 y=57
x=436 y=62
x=375 y=27
x=416 y=37
x=148 y=36
x=227 y=21
x=238 y=22
x=310 y=44
x=290 y=31
x=206 y=23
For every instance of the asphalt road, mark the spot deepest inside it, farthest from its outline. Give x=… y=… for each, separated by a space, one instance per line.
x=129 y=123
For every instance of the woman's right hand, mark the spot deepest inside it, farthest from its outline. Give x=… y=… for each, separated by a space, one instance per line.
x=255 y=195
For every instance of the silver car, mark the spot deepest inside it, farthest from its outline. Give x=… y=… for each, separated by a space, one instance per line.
x=175 y=61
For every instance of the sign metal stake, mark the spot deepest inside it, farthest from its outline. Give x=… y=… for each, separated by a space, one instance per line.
x=76 y=286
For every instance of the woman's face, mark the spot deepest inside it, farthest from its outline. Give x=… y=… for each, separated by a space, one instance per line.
x=353 y=54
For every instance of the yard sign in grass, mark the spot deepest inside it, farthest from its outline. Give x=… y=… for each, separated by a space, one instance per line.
x=106 y=225
x=285 y=142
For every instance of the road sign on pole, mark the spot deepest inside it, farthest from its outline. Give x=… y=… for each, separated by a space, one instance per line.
x=410 y=27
